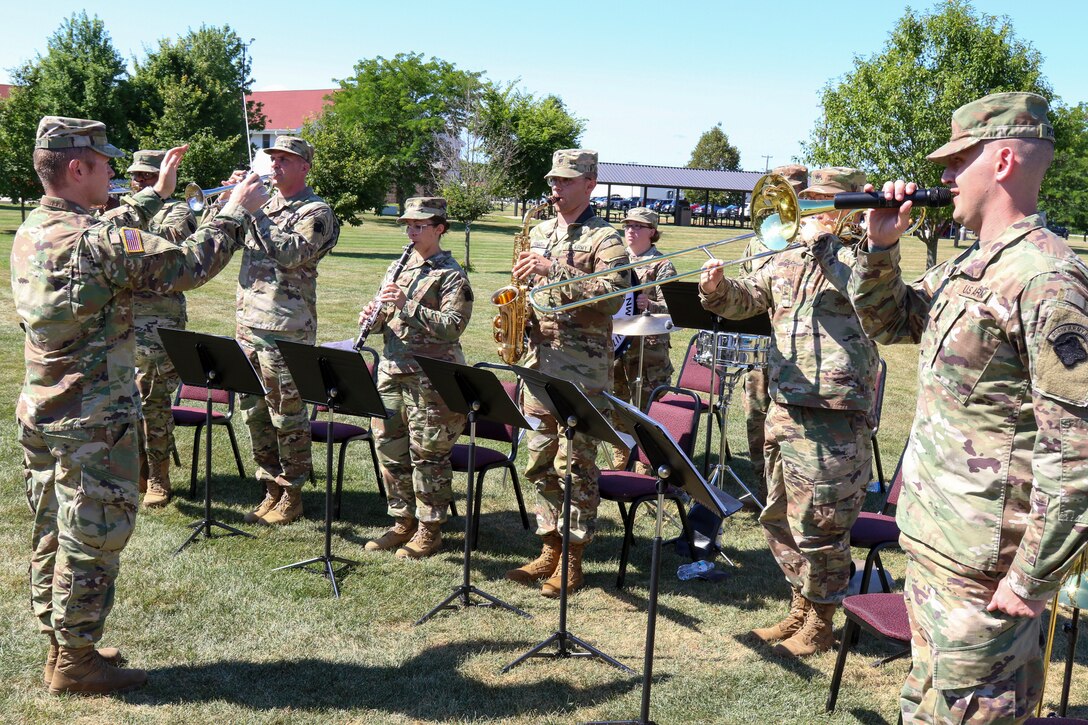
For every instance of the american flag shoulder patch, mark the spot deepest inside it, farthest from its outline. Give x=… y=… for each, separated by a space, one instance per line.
x=134 y=241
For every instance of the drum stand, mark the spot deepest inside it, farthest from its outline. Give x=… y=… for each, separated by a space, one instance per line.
x=721 y=469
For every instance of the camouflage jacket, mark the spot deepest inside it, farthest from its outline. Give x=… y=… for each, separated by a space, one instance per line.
x=577 y=343
x=431 y=322
x=174 y=222
x=996 y=471
x=755 y=246
x=648 y=273
x=277 y=284
x=820 y=356
x=72 y=279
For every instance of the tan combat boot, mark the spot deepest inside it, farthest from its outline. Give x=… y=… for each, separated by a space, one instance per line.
x=427 y=541
x=788 y=626
x=396 y=537
x=287 y=509
x=543 y=565
x=815 y=634
x=273 y=493
x=112 y=655
x=159 y=490
x=82 y=670
x=574 y=573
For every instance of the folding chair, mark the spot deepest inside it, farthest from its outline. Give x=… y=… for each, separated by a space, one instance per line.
x=678 y=412
x=344 y=433
x=696 y=377
x=882 y=615
x=194 y=417
x=878 y=531
x=490 y=458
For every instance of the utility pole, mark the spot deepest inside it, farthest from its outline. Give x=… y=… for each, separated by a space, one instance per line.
x=767 y=163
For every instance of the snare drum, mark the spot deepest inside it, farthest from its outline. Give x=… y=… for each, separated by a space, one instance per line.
x=734 y=350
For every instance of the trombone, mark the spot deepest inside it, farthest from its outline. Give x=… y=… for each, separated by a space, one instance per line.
x=196 y=197
x=776 y=219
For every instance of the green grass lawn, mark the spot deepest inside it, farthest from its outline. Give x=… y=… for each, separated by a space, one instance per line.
x=226 y=639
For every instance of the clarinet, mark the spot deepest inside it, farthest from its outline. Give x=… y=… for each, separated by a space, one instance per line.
x=391 y=275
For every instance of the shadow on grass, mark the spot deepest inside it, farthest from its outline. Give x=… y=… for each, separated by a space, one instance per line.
x=441 y=690
x=869 y=717
x=790 y=664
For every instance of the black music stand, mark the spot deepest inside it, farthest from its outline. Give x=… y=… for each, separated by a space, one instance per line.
x=673 y=468
x=477 y=394
x=339 y=380
x=214 y=363
x=682 y=300
x=566 y=401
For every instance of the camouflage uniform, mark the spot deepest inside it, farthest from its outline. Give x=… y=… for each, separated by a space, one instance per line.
x=995 y=483
x=822 y=369
x=576 y=345
x=757 y=399
x=277 y=299
x=72 y=281
x=414 y=444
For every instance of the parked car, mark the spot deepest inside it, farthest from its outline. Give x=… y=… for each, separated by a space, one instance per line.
x=1058 y=229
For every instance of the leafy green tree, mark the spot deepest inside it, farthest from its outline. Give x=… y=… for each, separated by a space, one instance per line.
x=893 y=108
x=19 y=116
x=191 y=91
x=713 y=151
x=345 y=171
x=404 y=106
x=524 y=132
x=1064 y=196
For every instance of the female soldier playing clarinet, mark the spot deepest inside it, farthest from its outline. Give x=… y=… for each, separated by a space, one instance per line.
x=425 y=308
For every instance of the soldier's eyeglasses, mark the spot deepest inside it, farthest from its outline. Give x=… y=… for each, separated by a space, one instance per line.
x=637 y=226
x=416 y=227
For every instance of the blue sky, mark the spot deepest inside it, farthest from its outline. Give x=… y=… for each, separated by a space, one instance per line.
x=647 y=77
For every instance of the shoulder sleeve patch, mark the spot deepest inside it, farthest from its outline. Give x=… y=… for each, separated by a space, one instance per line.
x=1061 y=370
x=134 y=240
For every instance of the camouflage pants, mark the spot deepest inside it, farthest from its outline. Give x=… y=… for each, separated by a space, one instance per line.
x=279 y=425
x=969 y=665
x=818 y=462
x=157 y=381
x=548 y=470
x=82 y=485
x=656 y=371
x=756 y=402
x=414 y=447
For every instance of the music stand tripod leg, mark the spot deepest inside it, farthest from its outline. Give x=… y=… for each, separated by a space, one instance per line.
x=721 y=469
x=465 y=591
x=562 y=637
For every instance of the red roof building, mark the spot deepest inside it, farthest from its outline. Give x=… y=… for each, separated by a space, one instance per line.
x=286 y=111
x=5 y=90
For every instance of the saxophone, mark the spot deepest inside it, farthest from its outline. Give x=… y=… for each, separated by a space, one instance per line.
x=513 y=299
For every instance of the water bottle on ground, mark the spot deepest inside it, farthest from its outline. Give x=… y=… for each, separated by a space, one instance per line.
x=695 y=569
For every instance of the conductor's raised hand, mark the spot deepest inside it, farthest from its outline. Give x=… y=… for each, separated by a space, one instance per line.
x=711 y=276
x=887 y=225
x=250 y=193
x=168 y=172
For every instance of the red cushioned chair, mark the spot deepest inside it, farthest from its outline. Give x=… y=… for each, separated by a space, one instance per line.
x=882 y=615
x=488 y=459
x=344 y=433
x=696 y=377
x=195 y=417
x=677 y=410
x=878 y=531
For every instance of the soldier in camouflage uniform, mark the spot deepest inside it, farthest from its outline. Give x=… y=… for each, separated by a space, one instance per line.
x=277 y=300
x=822 y=369
x=995 y=480
x=155 y=375
x=72 y=279
x=641 y=234
x=426 y=309
x=757 y=399
x=576 y=345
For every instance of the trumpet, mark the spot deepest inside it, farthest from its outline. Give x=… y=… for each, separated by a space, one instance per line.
x=196 y=197
x=776 y=219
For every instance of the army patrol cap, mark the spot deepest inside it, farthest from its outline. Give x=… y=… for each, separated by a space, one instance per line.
x=293 y=145
x=421 y=208
x=998 y=115
x=834 y=180
x=149 y=162
x=642 y=215
x=572 y=163
x=796 y=174
x=58 y=132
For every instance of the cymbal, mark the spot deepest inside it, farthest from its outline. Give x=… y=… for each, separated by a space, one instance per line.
x=642 y=325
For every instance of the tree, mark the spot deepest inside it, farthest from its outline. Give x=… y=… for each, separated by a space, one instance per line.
x=345 y=171
x=404 y=106
x=191 y=91
x=1064 y=196
x=713 y=151
x=19 y=116
x=524 y=132
x=895 y=107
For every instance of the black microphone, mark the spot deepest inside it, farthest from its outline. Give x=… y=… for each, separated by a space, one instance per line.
x=937 y=196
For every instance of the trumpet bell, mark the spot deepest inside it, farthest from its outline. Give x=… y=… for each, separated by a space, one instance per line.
x=194 y=197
